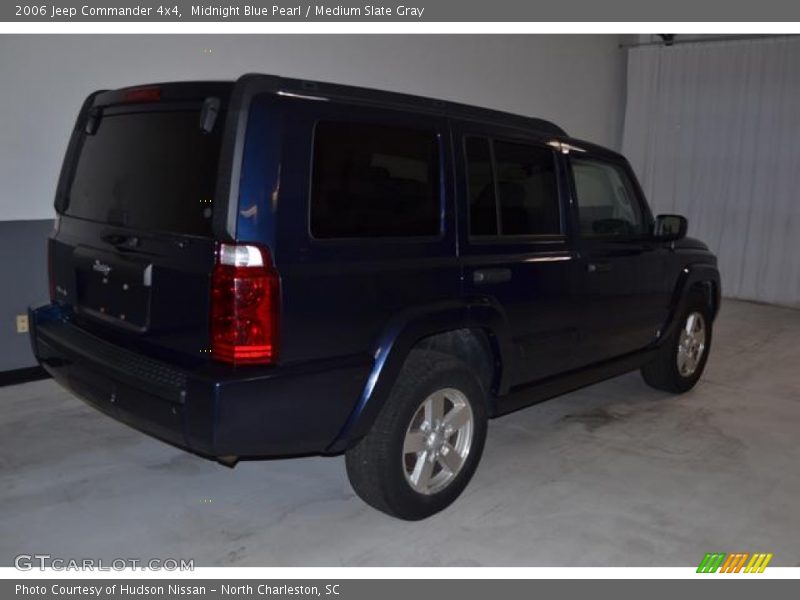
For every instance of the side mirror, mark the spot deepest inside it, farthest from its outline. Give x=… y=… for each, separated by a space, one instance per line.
x=669 y=228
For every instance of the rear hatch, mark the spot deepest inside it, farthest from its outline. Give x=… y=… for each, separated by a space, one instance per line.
x=133 y=250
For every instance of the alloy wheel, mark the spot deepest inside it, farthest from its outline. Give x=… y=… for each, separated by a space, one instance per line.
x=437 y=441
x=691 y=344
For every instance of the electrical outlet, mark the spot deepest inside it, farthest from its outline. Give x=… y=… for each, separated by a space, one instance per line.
x=22 y=323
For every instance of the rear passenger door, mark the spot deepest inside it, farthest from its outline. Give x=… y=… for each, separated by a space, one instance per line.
x=513 y=244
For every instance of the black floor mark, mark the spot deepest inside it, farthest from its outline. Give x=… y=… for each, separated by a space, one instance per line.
x=593 y=419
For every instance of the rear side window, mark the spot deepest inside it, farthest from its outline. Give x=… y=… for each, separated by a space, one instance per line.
x=526 y=185
x=154 y=171
x=373 y=181
x=512 y=189
x=482 y=204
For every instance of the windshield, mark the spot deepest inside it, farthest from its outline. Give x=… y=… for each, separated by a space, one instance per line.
x=154 y=171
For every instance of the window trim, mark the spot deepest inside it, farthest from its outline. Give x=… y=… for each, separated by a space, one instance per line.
x=644 y=209
x=500 y=237
x=391 y=239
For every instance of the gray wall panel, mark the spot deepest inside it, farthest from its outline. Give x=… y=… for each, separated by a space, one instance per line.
x=23 y=272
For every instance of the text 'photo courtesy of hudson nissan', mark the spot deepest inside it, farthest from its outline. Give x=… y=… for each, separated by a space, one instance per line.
x=274 y=267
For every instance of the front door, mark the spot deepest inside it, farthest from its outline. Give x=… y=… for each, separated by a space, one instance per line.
x=620 y=269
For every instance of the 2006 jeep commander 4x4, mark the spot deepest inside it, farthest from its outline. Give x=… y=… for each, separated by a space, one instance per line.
x=276 y=267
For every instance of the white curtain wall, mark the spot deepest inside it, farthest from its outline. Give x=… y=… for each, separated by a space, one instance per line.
x=713 y=132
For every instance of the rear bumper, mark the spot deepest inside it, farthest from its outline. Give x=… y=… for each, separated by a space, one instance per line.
x=213 y=411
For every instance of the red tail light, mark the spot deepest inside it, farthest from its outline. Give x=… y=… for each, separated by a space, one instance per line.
x=245 y=297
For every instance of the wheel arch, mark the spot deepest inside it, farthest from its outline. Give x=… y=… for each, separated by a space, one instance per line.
x=700 y=277
x=474 y=334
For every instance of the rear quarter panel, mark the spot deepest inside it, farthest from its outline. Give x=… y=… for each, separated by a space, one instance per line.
x=339 y=295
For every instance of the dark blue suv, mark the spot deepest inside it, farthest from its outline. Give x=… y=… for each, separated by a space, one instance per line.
x=274 y=267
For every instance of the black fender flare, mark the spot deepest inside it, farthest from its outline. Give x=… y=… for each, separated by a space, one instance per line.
x=690 y=276
x=400 y=335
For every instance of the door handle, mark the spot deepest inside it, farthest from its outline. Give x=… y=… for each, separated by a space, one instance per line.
x=484 y=276
x=601 y=267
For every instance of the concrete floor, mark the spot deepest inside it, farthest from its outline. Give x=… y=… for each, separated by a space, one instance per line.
x=613 y=475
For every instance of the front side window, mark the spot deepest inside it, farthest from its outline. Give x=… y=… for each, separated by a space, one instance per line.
x=373 y=181
x=514 y=194
x=607 y=203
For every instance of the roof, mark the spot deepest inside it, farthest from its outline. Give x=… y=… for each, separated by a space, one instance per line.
x=362 y=95
x=255 y=83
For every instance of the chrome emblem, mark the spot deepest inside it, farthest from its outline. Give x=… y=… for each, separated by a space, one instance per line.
x=101 y=268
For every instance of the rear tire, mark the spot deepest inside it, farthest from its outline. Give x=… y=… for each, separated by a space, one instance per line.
x=425 y=443
x=682 y=358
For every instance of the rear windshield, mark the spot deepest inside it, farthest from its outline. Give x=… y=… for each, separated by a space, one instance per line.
x=153 y=171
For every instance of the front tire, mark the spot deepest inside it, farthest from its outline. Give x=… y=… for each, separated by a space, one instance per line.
x=682 y=358
x=426 y=442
